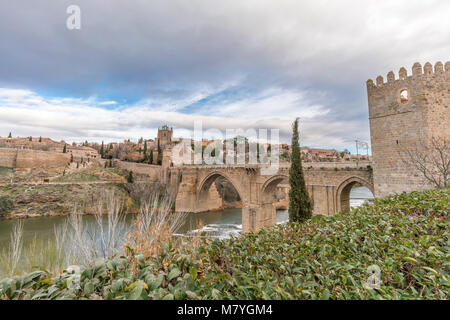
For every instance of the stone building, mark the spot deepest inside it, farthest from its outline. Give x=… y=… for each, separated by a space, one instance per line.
x=164 y=136
x=319 y=155
x=404 y=113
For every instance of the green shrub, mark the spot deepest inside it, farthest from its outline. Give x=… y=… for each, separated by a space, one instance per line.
x=405 y=236
x=6 y=205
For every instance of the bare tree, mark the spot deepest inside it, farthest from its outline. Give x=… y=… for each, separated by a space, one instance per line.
x=141 y=192
x=121 y=151
x=431 y=159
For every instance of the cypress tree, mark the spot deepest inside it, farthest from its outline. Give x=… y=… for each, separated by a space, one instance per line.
x=40 y=139
x=102 y=150
x=65 y=149
x=145 y=149
x=151 y=157
x=257 y=151
x=300 y=204
x=159 y=160
x=10 y=135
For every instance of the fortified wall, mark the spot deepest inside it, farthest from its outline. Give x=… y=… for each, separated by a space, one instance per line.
x=404 y=113
x=48 y=145
x=153 y=172
x=23 y=159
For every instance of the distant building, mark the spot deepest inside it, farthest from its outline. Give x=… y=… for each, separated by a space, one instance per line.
x=320 y=155
x=164 y=136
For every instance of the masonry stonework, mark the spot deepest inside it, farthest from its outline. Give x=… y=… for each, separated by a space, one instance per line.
x=328 y=187
x=404 y=113
x=22 y=159
x=152 y=173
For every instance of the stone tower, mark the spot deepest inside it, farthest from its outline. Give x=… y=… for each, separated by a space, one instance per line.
x=164 y=136
x=404 y=112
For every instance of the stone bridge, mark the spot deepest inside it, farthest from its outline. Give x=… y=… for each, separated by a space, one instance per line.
x=329 y=185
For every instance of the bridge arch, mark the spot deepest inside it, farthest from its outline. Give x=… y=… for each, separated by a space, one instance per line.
x=343 y=192
x=269 y=187
x=206 y=183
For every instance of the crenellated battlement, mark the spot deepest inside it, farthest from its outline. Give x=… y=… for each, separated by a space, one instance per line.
x=406 y=111
x=427 y=71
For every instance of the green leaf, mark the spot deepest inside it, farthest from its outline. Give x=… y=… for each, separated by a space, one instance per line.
x=117 y=285
x=88 y=288
x=173 y=274
x=431 y=270
x=193 y=273
x=215 y=294
x=191 y=295
x=169 y=297
x=137 y=289
x=411 y=260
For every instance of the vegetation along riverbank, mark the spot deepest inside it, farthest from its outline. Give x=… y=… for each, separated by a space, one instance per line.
x=404 y=238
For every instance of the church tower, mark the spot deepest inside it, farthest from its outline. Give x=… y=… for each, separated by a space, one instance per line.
x=164 y=136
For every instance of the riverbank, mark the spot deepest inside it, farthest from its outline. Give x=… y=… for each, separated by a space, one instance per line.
x=400 y=244
x=56 y=199
x=30 y=197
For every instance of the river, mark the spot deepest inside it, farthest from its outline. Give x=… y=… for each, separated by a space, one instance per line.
x=220 y=224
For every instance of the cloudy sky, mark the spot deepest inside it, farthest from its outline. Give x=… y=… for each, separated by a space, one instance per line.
x=138 y=64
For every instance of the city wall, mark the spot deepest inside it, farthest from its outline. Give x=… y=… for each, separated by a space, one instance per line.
x=30 y=159
x=153 y=172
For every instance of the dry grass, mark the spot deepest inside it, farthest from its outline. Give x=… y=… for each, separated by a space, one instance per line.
x=10 y=258
x=154 y=225
x=49 y=254
x=104 y=238
x=80 y=242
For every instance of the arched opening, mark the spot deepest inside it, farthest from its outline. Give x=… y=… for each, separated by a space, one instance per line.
x=276 y=192
x=217 y=192
x=219 y=208
x=352 y=193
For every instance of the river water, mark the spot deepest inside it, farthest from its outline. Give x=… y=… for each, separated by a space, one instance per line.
x=220 y=224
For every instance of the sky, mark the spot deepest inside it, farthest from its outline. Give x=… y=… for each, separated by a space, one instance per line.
x=138 y=64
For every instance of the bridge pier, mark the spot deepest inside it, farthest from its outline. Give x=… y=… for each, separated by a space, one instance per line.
x=256 y=217
x=188 y=199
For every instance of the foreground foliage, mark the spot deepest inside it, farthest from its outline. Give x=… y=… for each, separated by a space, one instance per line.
x=406 y=236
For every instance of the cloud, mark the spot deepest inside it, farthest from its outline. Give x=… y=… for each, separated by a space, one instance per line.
x=254 y=62
x=78 y=119
x=108 y=103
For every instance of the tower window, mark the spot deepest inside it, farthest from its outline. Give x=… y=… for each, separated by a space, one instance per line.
x=404 y=96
